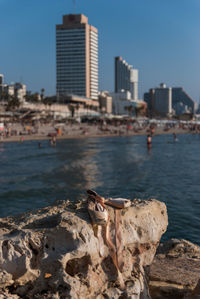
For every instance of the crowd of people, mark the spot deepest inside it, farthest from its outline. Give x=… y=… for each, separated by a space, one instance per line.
x=93 y=127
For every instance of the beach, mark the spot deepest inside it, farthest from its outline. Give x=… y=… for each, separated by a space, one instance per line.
x=18 y=132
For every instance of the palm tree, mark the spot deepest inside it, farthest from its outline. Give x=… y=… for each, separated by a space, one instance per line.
x=4 y=96
x=42 y=93
x=72 y=110
x=47 y=101
x=13 y=104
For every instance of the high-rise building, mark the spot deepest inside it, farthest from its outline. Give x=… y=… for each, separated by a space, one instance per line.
x=126 y=77
x=77 y=57
x=1 y=85
x=181 y=101
x=162 y=100
x=1 y=79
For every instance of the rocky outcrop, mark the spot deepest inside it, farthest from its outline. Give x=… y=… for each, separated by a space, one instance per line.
x=175 y=271
x=53 y=252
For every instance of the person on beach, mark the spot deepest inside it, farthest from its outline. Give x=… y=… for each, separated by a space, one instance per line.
x=1 y=136
x=53 y=141
x=175 y=137
x=149 y=140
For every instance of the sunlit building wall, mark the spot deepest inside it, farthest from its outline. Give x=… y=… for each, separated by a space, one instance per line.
x=105 y=102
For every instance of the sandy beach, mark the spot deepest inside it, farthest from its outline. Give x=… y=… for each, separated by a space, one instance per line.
x=17 y=132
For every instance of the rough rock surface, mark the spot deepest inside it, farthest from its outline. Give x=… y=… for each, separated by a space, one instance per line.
x=53 y=253
x=175 y=271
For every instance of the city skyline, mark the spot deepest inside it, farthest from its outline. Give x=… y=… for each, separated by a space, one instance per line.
x=161 y=40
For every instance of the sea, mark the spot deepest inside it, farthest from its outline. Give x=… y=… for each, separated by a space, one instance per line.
x=32 y=177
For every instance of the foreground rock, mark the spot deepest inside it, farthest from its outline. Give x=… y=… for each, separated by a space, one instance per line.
x=53 y=252
x=175 y=271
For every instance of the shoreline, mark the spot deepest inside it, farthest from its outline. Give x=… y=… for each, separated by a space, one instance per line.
x=38 y=137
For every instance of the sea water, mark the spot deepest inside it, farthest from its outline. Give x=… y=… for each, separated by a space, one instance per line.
x=33 y=176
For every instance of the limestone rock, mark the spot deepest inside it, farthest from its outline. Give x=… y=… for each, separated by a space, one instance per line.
x=53 y=252
x=175 y=271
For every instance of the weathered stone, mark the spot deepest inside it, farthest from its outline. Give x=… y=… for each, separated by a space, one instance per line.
x=175 y=271
x=53 y=252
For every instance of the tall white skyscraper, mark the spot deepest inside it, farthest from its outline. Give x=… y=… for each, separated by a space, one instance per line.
x=126 y=77
x=77 y=57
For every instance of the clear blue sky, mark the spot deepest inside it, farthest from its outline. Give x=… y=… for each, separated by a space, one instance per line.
x=159 y=37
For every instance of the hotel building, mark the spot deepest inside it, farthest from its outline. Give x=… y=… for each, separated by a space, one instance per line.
x=77 y=57
x=164 y=101
x=126 y=78
x=159 y=100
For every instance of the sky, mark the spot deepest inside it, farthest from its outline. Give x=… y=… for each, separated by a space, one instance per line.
x=161 y=38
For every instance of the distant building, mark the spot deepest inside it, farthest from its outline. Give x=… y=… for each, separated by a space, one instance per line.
x=197 y=110
x=75 y=99
x=1 y=85
x=105 y=102
x=122 y=104
x=79 y=105
x=163 y=101
x=7 y=91
x=148 y=98
x=77 y=57
x=1 y=79
x=181 y=101
x=126 y=77
x=20 y=91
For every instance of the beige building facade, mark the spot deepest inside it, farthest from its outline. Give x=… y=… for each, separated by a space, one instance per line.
x=105 y=102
